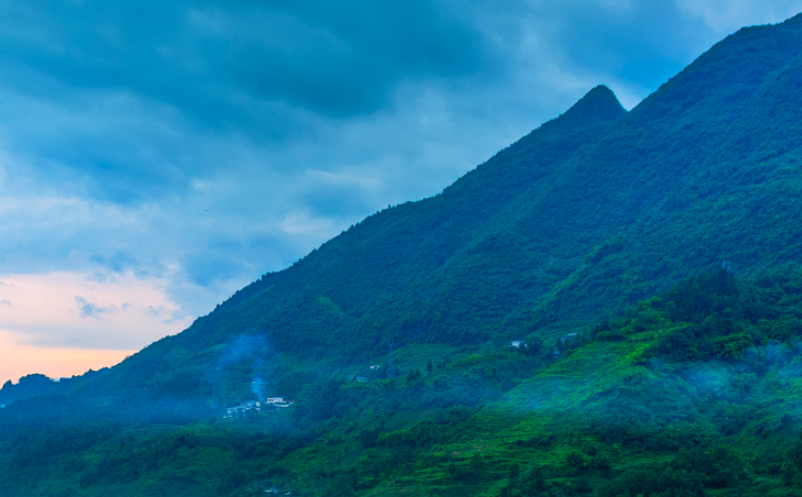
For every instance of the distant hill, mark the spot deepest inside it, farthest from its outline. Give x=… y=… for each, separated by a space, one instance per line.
x=27 y=386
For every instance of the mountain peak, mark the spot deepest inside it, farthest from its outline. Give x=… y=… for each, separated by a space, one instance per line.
x=599 y=104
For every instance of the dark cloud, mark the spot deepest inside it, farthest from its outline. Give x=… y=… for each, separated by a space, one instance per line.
x=217 y=60
x=154 y=81
x=268 y=71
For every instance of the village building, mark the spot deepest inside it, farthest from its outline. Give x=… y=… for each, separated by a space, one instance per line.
x=255 y=407
x=243 y=410
x=278 y=402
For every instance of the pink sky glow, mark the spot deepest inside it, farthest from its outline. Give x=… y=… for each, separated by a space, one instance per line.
x=65 y=323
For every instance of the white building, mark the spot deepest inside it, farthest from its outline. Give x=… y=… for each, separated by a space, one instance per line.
x=278 y=402
x=244 y=409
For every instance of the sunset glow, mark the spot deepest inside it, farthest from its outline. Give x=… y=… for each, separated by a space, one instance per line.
x=18 y=359
x=62 y=324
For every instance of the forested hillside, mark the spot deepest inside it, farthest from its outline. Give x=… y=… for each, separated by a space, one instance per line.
x=693 y=392
x=584 y=216
x=610 y=306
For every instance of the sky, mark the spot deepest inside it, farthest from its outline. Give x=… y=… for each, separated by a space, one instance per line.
x=157 y=156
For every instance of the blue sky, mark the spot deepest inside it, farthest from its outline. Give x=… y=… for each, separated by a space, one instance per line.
x=157 y=156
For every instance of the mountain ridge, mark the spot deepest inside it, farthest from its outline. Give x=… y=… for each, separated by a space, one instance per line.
x=580 y=218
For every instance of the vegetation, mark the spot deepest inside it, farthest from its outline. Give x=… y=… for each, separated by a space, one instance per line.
x=692 y=392
x=587 y=215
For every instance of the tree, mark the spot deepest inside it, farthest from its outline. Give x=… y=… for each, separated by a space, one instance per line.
x=515 y=472
x=369 y=438
x=413 y=376
x=560 y=345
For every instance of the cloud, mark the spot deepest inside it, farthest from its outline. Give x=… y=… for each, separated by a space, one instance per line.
x=229 y=63
x=90 y=310
x=724 y=16
x=75 y=311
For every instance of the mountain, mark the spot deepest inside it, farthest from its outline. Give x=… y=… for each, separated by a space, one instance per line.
x=647 y=261
x=400 y=273
x=581 y=218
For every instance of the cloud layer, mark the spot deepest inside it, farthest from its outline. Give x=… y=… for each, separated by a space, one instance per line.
x=84 y=311
x=179 y=150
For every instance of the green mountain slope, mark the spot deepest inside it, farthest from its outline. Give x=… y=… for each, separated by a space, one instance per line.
x=695 y=392
x=586 y=215
x=389 y=276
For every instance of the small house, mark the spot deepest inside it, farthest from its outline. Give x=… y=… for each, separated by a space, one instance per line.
x=278 y=402
x=516 y=344
x=362 y=379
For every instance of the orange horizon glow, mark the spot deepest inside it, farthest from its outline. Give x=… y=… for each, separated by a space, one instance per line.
x=20 y=359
